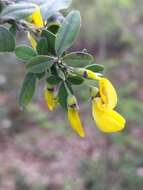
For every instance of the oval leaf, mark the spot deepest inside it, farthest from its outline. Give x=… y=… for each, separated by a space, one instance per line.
x=68 y=32
x=53 y=80
x=25 y=52
x=40 y=75
x=63 y=94
x=42 y=46
x=54 y=70
x=18 y=10
x=54 y=27
x=7 y=41
x=13 y=29
x=50 y=37
x=61 y=74
x=39 y=64
x=27 y=90
x=1 y=7
x=75 y=80
x=78 y=59
x=95 y=68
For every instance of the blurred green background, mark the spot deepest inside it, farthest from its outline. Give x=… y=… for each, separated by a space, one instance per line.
x=39 y=150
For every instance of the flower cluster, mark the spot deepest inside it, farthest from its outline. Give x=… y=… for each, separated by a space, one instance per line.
x=103 y=98
x=104 y=101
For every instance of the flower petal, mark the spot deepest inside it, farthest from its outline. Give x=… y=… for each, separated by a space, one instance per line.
x=108 y=93
x=107 y=120
x=74 y=119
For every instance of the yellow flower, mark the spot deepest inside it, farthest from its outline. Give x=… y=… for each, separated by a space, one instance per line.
x=107 y=120
x=73 y=116
x=107 y=93
x=50 y=98
x=37 y=20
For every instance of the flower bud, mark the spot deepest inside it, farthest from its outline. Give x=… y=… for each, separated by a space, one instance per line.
x=94 y=91
x=50 y=98
x=87 y=74
x=71 y=101
x=74 y=117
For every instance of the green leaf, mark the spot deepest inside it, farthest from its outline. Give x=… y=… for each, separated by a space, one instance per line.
x=42 y=46
x=61 y=74
x=69 y=86
x=54 y=70
x=1 y=6
x=40 y=75
x=18 y=10
x=7 y=41
x=53 y=80
x=68 y=32
x=13 y=29
x=50 y=41
x=75 y=80
x=27 y=90
x=95 y=68
x=54 y=27
x=78 y=59
x=25 y=52
x=53 y=6
x=63 y=94
x=39 y=64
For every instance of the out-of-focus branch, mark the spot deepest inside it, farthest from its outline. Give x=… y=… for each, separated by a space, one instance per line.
x=7 y=2
x=21 y=25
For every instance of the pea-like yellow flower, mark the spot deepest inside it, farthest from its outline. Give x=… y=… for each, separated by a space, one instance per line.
x=107 y=120
x=104 y=101
x=50 y=98
x=73 y=116
x=37 y=20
